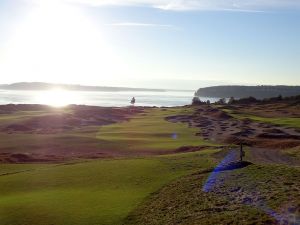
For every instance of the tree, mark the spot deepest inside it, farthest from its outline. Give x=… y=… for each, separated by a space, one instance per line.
x=221 y=101
x=132 y=101
x=196 y=101
x=231 y=100
x=208 y=102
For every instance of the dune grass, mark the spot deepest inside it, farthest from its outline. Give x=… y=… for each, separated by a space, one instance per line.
x=6 y=169
x=281 y=121
x=27 y=142
x=252 y=195
x=152 y=132
x=145 y=132
x=94 y=192
x=19 y=116
x=284 y=121
x=293 y=152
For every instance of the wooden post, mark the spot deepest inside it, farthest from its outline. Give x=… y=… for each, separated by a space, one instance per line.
x=241 y=152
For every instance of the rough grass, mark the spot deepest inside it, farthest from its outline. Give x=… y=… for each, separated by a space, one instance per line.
x=281 y=121
x=37 y=142
x=293 y=152
x=24 y=115
x=96 y=192
x=152 y=132
x=145 y=132
x=107 y=191
x=252 y=195
x=6 y=169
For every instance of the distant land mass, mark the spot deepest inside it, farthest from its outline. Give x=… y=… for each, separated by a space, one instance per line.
x=40 y=86
x=259 y=92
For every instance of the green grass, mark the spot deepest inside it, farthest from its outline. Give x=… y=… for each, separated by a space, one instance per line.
x=18 y=168
x=281 y=121
x=293 y=152
x=100 y=191
x=152 y=190
x=19 y=116
x=151 y=132
x=95 y=192
x=37 y=142
x=145 y=132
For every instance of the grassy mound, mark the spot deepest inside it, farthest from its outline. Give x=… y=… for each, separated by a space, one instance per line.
x=251 y=195
x=144 y=134
x=293 y=122
x=151 y=132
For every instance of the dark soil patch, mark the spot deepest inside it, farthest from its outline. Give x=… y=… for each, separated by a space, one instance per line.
x=29 y=158
x=233 y=166
x=281 y=135
x=191 y=149
x=17 y=128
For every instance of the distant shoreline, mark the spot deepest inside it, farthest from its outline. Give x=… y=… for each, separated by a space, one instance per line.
x=97 y=98
x=40 y=86
x=239 y=91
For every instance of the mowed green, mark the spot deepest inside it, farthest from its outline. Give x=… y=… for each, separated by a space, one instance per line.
x=151 y=131
x=92 y=193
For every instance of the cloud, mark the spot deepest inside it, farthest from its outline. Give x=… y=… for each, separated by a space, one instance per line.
x=184 y=5
x=134 y=24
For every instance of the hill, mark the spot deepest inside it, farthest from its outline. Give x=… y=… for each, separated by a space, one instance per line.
x=258 y=92
x=71 y=87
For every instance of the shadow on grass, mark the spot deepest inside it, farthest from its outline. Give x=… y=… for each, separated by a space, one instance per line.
x=233 y=166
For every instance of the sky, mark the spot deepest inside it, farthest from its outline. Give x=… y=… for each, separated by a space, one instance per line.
x=182 y=44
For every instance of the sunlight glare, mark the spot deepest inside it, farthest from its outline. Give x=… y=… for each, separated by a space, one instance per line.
x=57 y=97
x=58 y=41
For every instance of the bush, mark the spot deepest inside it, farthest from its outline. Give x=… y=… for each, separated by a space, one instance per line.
x=222 y=101
x=196 y=101
x=231 y=100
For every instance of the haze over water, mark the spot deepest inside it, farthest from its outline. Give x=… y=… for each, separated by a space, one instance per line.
x=122 y=98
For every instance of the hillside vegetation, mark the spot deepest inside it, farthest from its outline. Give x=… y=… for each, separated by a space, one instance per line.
x=259 y=92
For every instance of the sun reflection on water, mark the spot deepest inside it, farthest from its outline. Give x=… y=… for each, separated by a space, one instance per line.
x=57 y=97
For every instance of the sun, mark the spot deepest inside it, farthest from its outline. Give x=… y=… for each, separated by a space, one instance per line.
x=58 y=42
x=57 y=97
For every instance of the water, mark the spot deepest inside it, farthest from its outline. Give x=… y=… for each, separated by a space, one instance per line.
x=122 y=98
